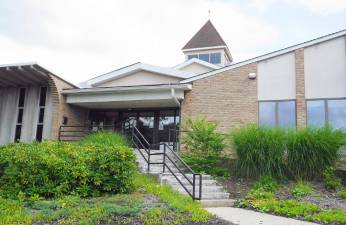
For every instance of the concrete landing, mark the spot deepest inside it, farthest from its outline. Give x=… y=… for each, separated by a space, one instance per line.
x=248 y=217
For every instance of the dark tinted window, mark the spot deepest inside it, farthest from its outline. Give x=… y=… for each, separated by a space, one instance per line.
x=20 y=116
x=43 y=94
x=21 y=97
x=41 y=115
x=39 y=132
x=17 y=133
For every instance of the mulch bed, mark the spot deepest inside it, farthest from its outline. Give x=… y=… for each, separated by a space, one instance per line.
x=326 y=199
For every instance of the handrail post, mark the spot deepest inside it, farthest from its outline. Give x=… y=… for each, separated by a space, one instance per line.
x=200 y=186
x=149 y=160
x=193 y=186
x=164 y=157
x=59 y=133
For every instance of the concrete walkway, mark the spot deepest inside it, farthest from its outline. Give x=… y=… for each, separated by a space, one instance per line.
x=248 y=217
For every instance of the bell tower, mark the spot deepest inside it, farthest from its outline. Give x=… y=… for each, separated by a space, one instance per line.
x=208 y=45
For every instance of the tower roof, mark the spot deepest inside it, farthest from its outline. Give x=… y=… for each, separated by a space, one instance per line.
x=207 y=36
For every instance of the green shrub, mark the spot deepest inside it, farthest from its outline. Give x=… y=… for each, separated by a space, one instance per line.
x=301 y=189
x=53 y=169
x=266 y=183
x=342 y=194
x=311 y=150
x=209 y=164
x=201 y=137
x=332 y=216
x=330 y=180
x=260 y=151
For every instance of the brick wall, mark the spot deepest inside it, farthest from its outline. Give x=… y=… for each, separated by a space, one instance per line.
x=228 y=98
x=300 y=88
x=76 y=115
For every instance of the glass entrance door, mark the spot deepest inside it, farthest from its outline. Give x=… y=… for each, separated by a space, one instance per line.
x=156 y=125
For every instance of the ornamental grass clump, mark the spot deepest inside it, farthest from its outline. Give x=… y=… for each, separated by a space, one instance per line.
x=260 y=151
x=53 y=169
x=311 y=150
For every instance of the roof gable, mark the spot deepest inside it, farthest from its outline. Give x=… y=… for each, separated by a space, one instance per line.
x=268 y=55
x=134 y=68
x=196 y=61
x=207 y=36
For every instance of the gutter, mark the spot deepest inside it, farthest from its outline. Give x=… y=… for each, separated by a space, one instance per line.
x=174 y=97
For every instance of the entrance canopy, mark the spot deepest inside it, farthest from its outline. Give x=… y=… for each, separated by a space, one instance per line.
x=150 y=96
x=22 y=74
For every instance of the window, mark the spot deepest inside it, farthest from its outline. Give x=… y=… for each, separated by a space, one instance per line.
x=192 y=56
x=337 y=113
x=316 y=115
x=327 y=111
x=20 y=113
x=204 y=57
x=267 y=115
x=215 y=58
x=42 y=106
x=277 y=113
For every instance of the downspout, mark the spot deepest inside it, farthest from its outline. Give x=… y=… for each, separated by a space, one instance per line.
x=175 y=97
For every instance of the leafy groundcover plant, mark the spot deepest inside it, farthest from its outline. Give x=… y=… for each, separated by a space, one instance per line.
x=53 y=169
x=262 y=198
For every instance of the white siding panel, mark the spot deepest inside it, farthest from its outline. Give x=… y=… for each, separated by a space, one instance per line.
x=276 y=78
x=9 y=101
x=325 y=70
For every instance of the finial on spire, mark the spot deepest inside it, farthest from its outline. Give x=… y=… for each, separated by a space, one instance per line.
x=209 y=14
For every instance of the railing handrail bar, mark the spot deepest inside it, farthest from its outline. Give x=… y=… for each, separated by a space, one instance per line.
x=141 y=135
x=180 y=182
x=179 y=169
x=176 y=155
x=143 y=146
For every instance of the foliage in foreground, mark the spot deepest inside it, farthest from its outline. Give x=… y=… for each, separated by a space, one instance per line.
x=68 y=209
x=301 y=154
x=311 y=150
x=202 y=138
x=213 y=165
x=260 y=151
x=301 y=189
x=181 y=203
x=331 y=181
x=262 y=198
x=53 y=169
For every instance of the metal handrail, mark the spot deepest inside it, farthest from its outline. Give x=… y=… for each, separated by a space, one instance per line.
x=192 y=182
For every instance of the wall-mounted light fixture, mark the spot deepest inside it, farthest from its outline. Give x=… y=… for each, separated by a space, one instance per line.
x=252 y=76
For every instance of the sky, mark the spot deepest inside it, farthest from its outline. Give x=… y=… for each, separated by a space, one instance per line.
x=80 y=39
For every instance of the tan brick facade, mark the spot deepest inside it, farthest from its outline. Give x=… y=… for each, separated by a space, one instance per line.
x=76 y=115
x=228 y=98
x=300 y=88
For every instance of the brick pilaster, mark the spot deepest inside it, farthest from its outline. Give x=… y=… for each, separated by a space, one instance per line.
x=300 y=88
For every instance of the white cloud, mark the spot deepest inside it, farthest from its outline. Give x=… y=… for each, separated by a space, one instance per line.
x=83 y=38
x=323 y=7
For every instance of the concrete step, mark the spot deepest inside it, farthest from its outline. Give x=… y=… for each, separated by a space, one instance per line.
x=216 y=195
x=217 y=203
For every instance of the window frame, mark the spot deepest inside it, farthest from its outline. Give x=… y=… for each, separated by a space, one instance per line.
x=197 y=55
x=325 y=106
x=277 y=111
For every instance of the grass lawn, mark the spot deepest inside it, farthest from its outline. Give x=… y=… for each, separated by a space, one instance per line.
x=150 y=204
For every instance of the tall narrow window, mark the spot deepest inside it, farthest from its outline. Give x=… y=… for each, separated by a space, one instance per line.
x=42 y=106
x=20 y=113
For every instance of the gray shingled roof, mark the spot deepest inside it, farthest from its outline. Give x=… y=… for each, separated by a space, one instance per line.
x=207 y=36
